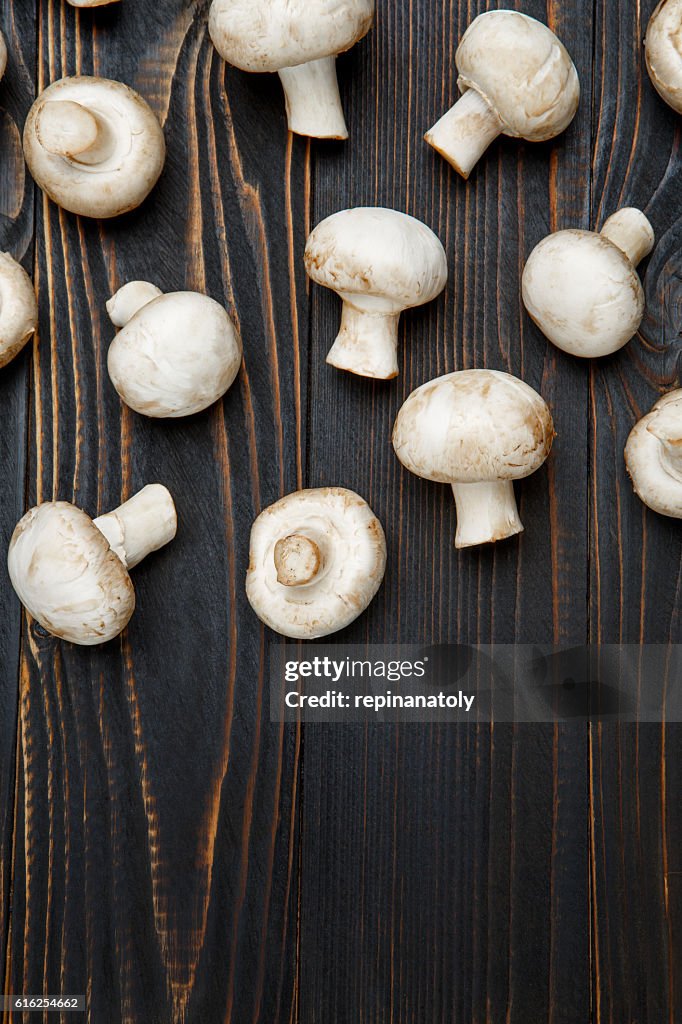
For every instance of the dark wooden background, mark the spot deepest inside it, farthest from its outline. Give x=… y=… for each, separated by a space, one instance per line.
x=163 y=847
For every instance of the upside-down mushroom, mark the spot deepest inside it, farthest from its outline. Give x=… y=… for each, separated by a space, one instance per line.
x=300 y=40
x=175 y=354
x=663 y=52
x=582 y=289
x=18 y=308
x=93 y=146
x=516 y=78
x=653 y=456
x=380 y=262
x=317 y=559
x=477 y=430
x=71 y=572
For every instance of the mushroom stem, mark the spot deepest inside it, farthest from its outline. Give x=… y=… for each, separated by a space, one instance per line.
x=631 y=231
x=297 y=560
x=465 y=132
x=129 y=300
x=71 y=131
x=486 y=512
x=367 y=343
x=141 y=525
x=312 y=99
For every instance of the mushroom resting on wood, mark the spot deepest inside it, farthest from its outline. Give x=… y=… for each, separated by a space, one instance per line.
x=91 y=3
x=71 y=572
x=317 y=559
x=380 y=262
x=516 y=78
x=477 y=430
x=94 y=146
x=175 y=354
x=581 y=287
x=3 y=55
x=18 y=308
x=300 y=40
x=653 y=456
x=663 y=51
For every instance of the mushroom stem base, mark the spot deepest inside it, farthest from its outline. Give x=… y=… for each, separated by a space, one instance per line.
x=465 y=132
x=486 y=512
x=631 y=231
x=312 y=99
x=141 y=525
x=367 y=344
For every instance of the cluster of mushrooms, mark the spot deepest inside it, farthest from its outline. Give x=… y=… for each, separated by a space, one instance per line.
x=318 y=556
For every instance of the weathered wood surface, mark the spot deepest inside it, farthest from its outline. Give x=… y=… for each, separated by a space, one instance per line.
x=169 y=851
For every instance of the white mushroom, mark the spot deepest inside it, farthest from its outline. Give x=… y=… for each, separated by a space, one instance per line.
x=317 y=559
x=300 y=40
x=3 y=55
x=477 y=430
x=516 y=78
x=653 y=456
x=91 y=3
x=94 y=146
x=175 y=355
x=581 y=288
x=18 y=308
x=663 y=51
x=71 y=572
x=380 y=262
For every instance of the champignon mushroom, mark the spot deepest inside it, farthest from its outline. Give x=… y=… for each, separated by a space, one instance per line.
x=94 y=146
x=18 y=308
x=317 y=559
x=380 y=262
x=663 y=51
x=516 y=78
x=477 y=430
x=653 y=456
x=3 y=55
x=91 y=3
x=581 y=288
x=175 y=355
x=71 y=572
x=300 y=40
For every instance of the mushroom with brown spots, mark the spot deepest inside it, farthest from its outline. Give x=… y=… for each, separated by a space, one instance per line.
x=477 y=430
x=379 y=262
x=663 y=52
x=581 y=287
x=71 y=572
x=516 y=78
x=18 y=308
x=317 y=559
x=653 y=456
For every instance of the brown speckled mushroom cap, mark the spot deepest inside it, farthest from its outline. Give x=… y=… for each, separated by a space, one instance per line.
x=18 y=308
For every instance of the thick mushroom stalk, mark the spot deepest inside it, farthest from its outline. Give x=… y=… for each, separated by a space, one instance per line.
x=486 y=513
x=144 y=523
x=70 y=130
x=298 y=561
x=313 y=102
x=465 y=132
x=632 y=232
x=367 y=343
x=653 y=456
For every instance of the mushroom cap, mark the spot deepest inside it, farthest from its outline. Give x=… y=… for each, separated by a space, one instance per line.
x=524 y=72
x=663 y=51
x=474 y=426
x=126 y=176
x=379 y=260
x=267 y=35
x=176 y=356
x=18 y=308
x=67 y=576
x=656 y=482
x=583 y=293
x=3 y=55
x=352 y=546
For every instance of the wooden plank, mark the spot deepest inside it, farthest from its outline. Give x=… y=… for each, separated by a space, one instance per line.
x=636 y=556
x=445 y=869
x=155 y=848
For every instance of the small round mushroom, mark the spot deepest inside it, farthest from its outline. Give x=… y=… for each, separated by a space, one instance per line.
x=175 y=354
x=477 y=430
x=18 y=308
x=581 y=287
x=71 y=572
x=663 y=51
x=317 y=559
x=380 y=262
x=516 y=78
x=653 y=456
x=94 y=146
x=300 y=40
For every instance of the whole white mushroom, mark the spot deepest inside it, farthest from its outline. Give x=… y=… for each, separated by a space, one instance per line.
x=18 y=308
x=663 y=51
x=653 y=456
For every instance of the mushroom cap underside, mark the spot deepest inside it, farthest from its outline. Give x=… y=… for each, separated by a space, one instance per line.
x=352 y=547
x=520 y=67
x=663 y=51
x=67 y=576
x=655 y=480
x=474 y=426
x=267 y=35
x=388 y=259
x=18 y=308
